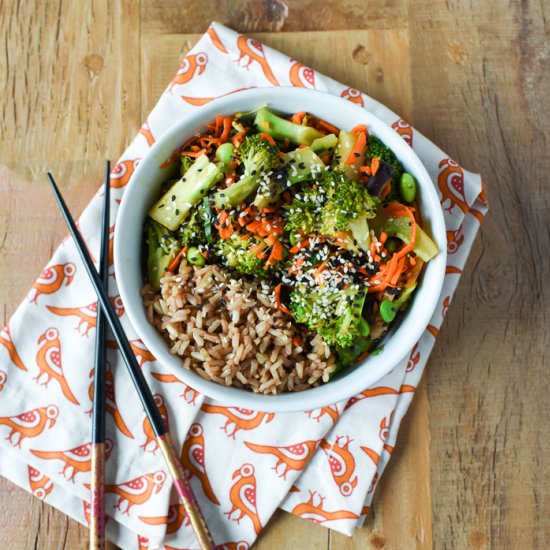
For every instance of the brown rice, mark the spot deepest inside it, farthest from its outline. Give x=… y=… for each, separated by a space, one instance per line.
x=230 y=331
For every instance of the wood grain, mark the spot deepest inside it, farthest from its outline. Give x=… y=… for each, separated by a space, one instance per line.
x=470 y=470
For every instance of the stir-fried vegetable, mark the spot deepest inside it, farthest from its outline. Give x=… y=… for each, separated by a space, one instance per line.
x=325 y=216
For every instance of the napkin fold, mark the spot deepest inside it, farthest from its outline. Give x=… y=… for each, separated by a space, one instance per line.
x=322 y=465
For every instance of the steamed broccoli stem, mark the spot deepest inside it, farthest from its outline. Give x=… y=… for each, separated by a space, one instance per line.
x=399 y=227
x=279 y=128
x=237 y=193
x=161 y=251
x=258 y=157
x=298 y=165
x=360 y=231
x=174 y=206
x=346 y=143
x=326 y=143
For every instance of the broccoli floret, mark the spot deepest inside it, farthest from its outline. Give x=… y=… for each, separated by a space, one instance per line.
x=376 y=148
x=337 y=202
x=334 y=314
x=279 y=128
x=236 y=254
x=186 y=163
x=192 y=230
x=162 y=248
x=258 y=157
x=174 y=205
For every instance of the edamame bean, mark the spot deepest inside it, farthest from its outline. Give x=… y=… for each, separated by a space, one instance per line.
x=194 y=257
x=363 y=326
x=407 y=187
x=387 y=311
x=224 y=152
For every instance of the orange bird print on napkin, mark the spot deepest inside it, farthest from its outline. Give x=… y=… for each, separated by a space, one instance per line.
x=454 y=240
x=251 y=50
x=240 y=419
x=241 y=545
x=40 y=485
x=353 y=95
x=75 y=460
x=151 y=444
x=189 y=394
x=140 y=351
x=451 y=184
x=29 y=424
x=243 y=496
x=7 y=342
x=110 y=400
x=404 y=129
x=342 y=464
x=302 y=76
x=87 y=314
x=3 y=379
x=191 y=65
x=52 y=279
x=330 y=411
x=384 y=432
x=192 y=459
x=48 y=360
x=173 y=521
x=122 y=172
x=317 y=513
x=137 y=491
x=292 y=457
x=216 y=39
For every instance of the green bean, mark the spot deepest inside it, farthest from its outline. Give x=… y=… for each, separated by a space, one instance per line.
x=194 y=256
x=407 y=187
x=387 y=311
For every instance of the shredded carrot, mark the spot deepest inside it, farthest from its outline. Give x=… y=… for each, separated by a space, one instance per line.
x=325 y=157
x=257 y=248
x=298 y=118
x=296 y=341
x=358 y=148
x=276 y=254
x=225 y=227
x=176 y=261
x=320 y=269
x=280 y=305
x=385 y=190
x=268 y=138
x=226 y=128
x=383 y=237
x=238 y=138
x=366 y=170
x=195 y=154
x=374 y=165
x=297 y=247
x=327 y=126
x=360 y=128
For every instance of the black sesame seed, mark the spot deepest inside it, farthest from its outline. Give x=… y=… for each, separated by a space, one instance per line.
x=199 y=170
x=173 y=197
x=177 y=212
x=161 y=205
x=301 y=165
x=356 y=155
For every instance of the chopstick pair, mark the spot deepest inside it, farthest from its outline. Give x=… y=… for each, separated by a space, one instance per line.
x=181 y=483
x=97 y=489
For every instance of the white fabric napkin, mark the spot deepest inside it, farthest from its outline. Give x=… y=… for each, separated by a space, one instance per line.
x=322 y=465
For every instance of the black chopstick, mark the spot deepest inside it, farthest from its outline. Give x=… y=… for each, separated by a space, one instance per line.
x=181 y=483
x=97 y=492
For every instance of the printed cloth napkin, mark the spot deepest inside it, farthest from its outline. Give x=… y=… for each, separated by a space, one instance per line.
x=322 y=465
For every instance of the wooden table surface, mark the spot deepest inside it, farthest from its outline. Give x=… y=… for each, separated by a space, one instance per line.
x=471 y=468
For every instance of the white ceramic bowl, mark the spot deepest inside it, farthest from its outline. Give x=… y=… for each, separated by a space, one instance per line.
x=143 y=190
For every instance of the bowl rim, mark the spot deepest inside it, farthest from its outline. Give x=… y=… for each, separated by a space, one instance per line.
x=364 y=373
